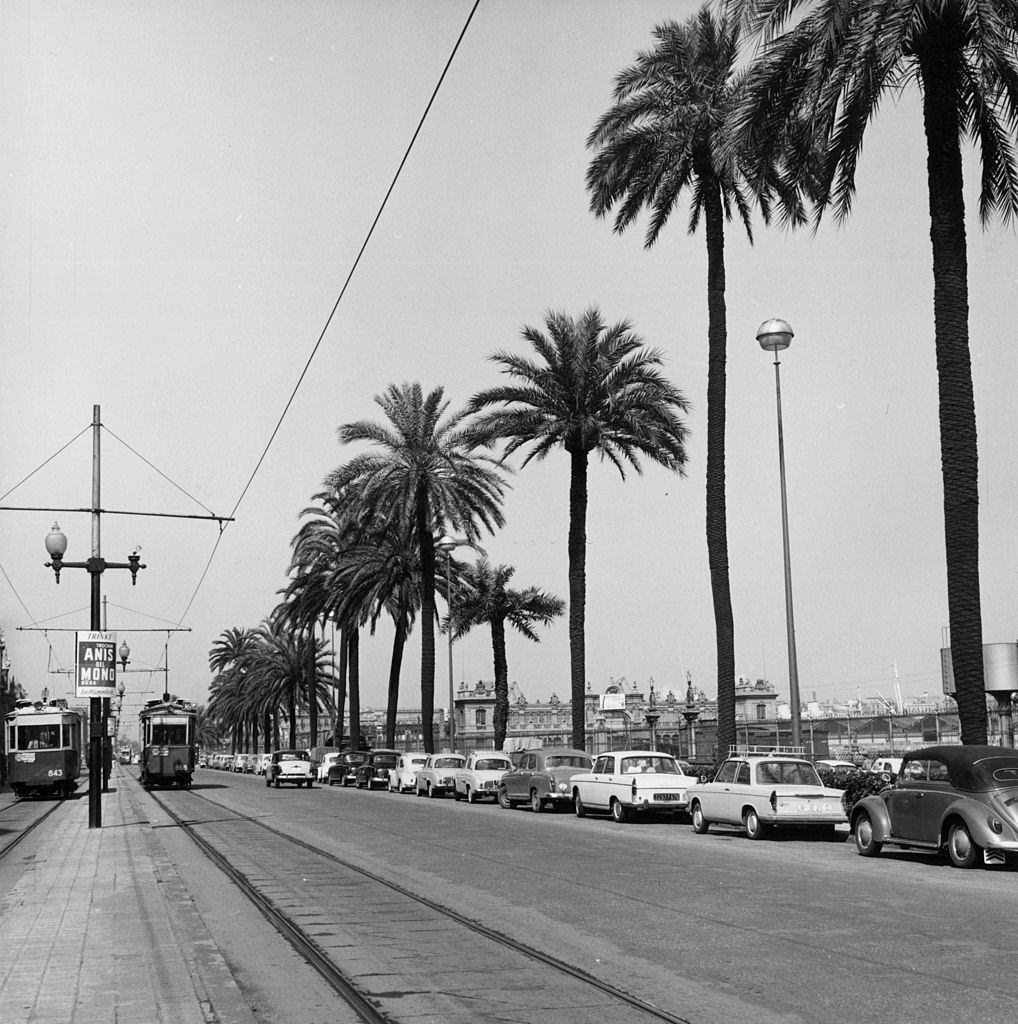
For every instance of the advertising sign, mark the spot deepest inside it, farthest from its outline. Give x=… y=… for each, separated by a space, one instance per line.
x=95 y=664
x=613 y=701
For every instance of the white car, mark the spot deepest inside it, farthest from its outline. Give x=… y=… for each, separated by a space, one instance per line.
x=403 y=778
x=759 y=790
x=327 y=762
x=626 y=782
x=262 y=763
x=437 y=776
x=290 y=766
x=480 y=776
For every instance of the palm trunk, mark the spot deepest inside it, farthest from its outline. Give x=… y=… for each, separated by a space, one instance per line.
x=427 y=550
x=254 y=734
x=344 y=650
x=578 y=593
x=958 y=439
x=353 y=641
x=291 y=710
x=717 y=512
x=267 y=730
x=312 y=687
x=395 y=665
x=501 y=716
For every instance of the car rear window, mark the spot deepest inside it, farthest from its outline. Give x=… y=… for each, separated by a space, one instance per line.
x=787 y=773
x=567 y=761
x=385 y=761
x=294 y=755
x=448 y=762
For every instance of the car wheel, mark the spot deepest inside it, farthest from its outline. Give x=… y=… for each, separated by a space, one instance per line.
x=275 y=783
x=536 y=803
x=960 y=847
x=753 y=825
x=865 y=844
x=471 y=796
x=619 y=812
x=431 y=792
x=700 y=823
x=581 y=811
x=456 y=794
x=503 y=799
x=310 y=783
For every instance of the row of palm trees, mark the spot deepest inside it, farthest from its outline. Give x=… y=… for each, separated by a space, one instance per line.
x=783 y=127
x=368 y=544
x=695 y=116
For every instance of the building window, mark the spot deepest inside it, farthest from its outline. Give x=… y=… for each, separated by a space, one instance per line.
x=761 y=712
x=480 y=718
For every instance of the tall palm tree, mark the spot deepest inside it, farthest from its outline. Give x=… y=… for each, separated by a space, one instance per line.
x=420 y=467
x=660 y=140
x=481 y=596
x=592 y=388
x=822 y=83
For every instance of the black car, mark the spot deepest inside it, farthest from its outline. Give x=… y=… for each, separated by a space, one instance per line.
x=343 y=772
x=375 y=770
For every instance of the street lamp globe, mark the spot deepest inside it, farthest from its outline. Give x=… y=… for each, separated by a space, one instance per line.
x=447 y=544
x=56 y=542
x=125 y=652
x=775 y=335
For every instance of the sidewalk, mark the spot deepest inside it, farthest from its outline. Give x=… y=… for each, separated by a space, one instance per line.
x=99 y=928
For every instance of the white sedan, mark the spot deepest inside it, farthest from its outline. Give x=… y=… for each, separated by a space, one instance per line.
x=437 y=775
x=480 y=776
x=326 y=763
x=626 y=782
x=758 y=791
x=403 y=777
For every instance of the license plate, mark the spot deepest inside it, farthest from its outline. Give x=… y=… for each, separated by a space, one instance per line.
x=808 y=807
x=667 y=796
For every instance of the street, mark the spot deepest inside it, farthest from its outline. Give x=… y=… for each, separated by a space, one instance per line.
x=708 y=927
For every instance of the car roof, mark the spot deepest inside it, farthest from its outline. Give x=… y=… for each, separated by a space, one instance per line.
x=636 y=753
x=963 y=762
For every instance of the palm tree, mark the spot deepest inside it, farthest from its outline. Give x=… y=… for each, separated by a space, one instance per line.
x=481 y=596
x=660 y=140
x=822 y=82
x=592 y=388
x=422 y=470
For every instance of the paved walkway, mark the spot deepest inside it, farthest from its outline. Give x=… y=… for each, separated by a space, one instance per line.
x=99 y=928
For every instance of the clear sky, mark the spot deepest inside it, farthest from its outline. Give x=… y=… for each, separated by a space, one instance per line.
x=185 y=187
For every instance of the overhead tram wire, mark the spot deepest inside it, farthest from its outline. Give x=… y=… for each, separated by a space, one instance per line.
x=332 y=312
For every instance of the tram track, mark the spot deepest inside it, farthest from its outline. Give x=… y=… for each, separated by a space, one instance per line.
x=13 y=814
x=368 y=910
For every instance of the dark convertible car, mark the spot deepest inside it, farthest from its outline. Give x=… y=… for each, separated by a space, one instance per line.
x=960 y=799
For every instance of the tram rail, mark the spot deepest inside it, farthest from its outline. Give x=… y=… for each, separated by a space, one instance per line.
x=391 y=901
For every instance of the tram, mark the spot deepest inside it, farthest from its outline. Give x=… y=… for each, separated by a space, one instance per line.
x=169 y=742
x=44 y=748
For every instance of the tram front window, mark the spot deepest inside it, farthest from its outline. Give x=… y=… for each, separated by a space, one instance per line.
x=169 y=735
x=38 y=737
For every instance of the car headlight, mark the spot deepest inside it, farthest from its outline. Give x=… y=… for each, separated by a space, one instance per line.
x=996 y=825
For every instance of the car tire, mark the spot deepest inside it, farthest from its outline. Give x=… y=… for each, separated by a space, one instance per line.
x=536 y=803
x=275 y=782
x=755 y=828
x=961 y=848
x=862 y=832
x=432 y=795
x=503 y=799
x=619 y=812
x=581 y=811
x=311 y=784
x=700 y=823
x=471 y=796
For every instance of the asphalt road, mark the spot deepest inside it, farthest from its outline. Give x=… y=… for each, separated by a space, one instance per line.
x=713 y=928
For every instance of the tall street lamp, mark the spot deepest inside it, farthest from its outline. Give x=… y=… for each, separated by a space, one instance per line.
x=774 y=336
x=448 y=545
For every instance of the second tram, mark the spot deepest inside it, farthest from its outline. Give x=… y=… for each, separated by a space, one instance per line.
x=169 y=742
x=44 y=747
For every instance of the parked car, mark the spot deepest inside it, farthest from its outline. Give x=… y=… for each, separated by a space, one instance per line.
x=960 y=799
x=342 y=770
x=325 y=764
x=838 y=766
x=403 y=778
x=626 y=782
x=480 y=776
x=886 y=765
x=437 y=775
x=290 y=766
x=543 y=778
x=759 y=790
x=262 y=763
x=374 y=771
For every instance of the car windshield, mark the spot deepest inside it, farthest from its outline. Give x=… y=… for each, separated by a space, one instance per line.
x=448 y=762
x=567 y=761
x=385 y=761
x=492 y=764
x=354 y=758
x=787 y=773
x=648 y=764
x=294 y=755
x=418 y=760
